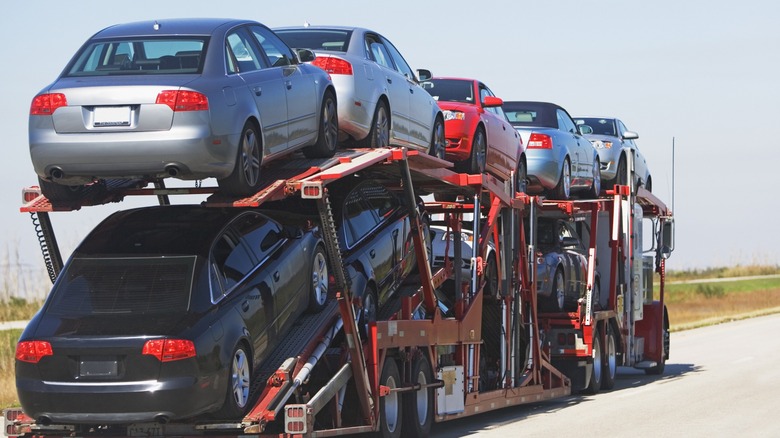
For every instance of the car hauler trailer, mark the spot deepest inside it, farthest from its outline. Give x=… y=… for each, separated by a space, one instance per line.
x=441 y=349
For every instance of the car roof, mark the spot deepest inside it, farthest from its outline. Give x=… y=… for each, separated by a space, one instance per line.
x=170 y=26
x=529 y=104
x=324 y=27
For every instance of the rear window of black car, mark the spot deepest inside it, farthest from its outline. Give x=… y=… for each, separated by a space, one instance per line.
x=144 y=285
x=147 y=56
x=331 y=40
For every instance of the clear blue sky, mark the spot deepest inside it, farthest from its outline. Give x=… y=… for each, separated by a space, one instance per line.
x=704 y=72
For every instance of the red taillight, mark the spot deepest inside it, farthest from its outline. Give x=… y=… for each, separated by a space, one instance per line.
x=334 y=66
x=183 y=100
x=32 y=351
x=167 y=350
x=540 y=141
x=46 y=104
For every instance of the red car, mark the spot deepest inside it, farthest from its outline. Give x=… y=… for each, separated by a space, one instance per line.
x=479 y=136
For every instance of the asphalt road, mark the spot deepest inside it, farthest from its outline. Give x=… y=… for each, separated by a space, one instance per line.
x=721 y=380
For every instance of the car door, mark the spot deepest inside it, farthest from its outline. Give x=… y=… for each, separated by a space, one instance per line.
x=502 y=138
x=266 y=86
x=581 y=157
x=420 y=115
x=396 y=87
x=300 y=89
x=393 y=227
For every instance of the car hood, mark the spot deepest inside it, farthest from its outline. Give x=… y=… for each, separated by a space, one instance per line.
x=457 y=106
x=596 y=137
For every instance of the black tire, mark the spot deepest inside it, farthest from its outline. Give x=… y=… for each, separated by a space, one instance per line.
x=368 y=312
x=491 y=277
x=594 y=384
x=418 y=405
x=521 y=177
x=379 y=134
x=595 y=187
x=391 y=405
x=61 y=193
x=328 y=131
x=318 y=289
x=609 y=364
x=245 y=179
x=239 y=380
x=478 y=157
x=438 y=147
x=557 y=299
x=621 y=177
x=562 y=190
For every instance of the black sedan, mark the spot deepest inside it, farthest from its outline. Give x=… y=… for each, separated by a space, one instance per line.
x=163 y=313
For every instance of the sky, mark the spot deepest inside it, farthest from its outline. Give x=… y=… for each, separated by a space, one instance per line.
x=704 y=75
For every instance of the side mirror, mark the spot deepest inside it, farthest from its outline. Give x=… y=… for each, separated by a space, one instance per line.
x=305 y=55
x=585 y=129
x=667 y=239
x=423 y=74
x=492 y=102
x=630 y=135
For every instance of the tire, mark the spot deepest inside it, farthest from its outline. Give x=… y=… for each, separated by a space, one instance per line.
x=368 y=312
x=562 y=191
x=609 y=364
x=379 y=134
x=328 y=132
x=521 y=177
x=61 y=193
x=438 y=141
x=595 y=187
x=478 y=157
x=557 y=298
x=418 y=405
x=239 y=383
x=620 y=177
x=391 y=405
x=491 y=277
x=245 y=179
x=594 y=384
x=318 y=290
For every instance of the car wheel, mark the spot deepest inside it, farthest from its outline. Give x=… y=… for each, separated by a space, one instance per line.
x=621 y=176
x=391 y=405
x=318 y=292
x=594 y=384
x=239 y=381
x=328 y=134
x=521 y=177
x=595 y=187
x=563 y=189
x=478 y=156
x=61 y=193
x=491 y=277
x=368 y=312
x=438 y=141
x=555 y=302
x=245 y=179
x=379 y=134
x=418 y=405
x=610 y=361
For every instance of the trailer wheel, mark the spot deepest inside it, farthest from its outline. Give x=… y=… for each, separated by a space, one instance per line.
x=239 y=381
x=418 y=405
x=610 y=360
x=594 y=385
x=390 y=406
x=318 y=293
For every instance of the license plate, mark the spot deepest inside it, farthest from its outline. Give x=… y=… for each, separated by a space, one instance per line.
x=111 y=116
x=145 y=429
x=98 y=368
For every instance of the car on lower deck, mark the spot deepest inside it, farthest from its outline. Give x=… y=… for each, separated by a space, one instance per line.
x=164 y=313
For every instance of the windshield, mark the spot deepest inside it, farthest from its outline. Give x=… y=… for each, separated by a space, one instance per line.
x=331 y=40
x=600 y=126
x=124 y=285
x=450 y=90
x=147 y=56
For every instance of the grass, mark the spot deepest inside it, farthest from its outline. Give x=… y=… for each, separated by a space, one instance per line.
x=18 y=309
x=8 y=340
x=722 y=272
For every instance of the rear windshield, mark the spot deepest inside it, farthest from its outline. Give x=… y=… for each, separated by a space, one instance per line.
x=331 y=40
x=128 y=286
x=450 y=90
x=148 y=56
x=600 y=126
x=531 y=114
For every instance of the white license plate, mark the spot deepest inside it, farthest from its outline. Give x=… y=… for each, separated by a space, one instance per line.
x=111 y=116
x=145 y=429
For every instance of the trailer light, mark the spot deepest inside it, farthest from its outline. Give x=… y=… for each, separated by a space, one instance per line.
x=168 y=350
x=334 y=66
x=183 y=100
x=311 y=190
x=33 y=351
x=540 y=141
x=30 y=193
x=45 y=104
x=295 y=419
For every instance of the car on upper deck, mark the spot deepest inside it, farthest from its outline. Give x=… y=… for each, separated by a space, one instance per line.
x=560 y=159
x=381 y=102
x=184 y=98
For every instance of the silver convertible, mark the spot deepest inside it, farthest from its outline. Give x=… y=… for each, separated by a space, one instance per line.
x=184 y=98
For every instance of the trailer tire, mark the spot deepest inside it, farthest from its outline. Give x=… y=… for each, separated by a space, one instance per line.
x=239 y=382
x=594 y=384
x=418 y=405
x=610 y=360
x=391 y=405
x=318 y=292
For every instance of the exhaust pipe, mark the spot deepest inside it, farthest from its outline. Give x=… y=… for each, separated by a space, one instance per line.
x=44 y=420
x=172 y=170
x=162 y=419
x=56 y=173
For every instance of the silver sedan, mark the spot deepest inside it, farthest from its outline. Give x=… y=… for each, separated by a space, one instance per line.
x=614 y=141
x=184 y=98
x=381 y=100
x=560 y=160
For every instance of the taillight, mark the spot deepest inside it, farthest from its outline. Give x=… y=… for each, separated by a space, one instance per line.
x=540 y=141
x=183 y=100
x=334 y=66
x=32 y=351
x=167 y=350
x=46 y=104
